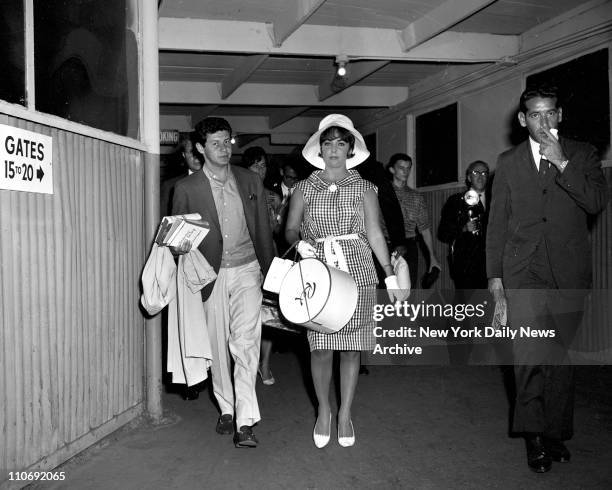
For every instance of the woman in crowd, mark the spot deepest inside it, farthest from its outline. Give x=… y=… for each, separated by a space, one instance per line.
x=256 y=160
x=335 y=202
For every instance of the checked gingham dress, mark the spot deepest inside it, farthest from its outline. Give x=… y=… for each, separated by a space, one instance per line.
x=335 y=213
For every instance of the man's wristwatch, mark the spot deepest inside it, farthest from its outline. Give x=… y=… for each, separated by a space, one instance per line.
x=562 y=165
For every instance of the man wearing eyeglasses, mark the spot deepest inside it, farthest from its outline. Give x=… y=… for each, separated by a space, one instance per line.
x=463 y=226
x=539 y=261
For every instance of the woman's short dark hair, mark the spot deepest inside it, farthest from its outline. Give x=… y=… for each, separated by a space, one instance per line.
x=342 y=134
x=252 y=155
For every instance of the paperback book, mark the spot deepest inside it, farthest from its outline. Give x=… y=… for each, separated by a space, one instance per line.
x=181 y=229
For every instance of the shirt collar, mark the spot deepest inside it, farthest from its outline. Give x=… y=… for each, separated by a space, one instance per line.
x=286 y=190
x=212 y=177
x=535 y=150
x=535 y=147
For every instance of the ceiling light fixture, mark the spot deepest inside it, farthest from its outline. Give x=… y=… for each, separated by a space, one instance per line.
x=233 y=140
x=341 y=60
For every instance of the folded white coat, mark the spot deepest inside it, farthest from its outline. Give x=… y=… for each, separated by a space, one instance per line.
x=189 y=352
x=158 y=280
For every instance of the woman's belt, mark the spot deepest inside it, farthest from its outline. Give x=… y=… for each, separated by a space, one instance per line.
x=332 y=250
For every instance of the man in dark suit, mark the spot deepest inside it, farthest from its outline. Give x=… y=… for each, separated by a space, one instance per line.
x=539 y=260
x=239 y=248
x=463 y=225
x=283 y=186
x=185 y=162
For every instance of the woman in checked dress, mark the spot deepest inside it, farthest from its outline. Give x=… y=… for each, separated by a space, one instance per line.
x=336 y=202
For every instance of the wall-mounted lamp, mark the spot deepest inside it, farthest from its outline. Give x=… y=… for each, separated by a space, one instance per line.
x=341 y=60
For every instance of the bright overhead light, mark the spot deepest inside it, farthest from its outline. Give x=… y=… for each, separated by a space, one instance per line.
x=341 y=61
x=233 y=141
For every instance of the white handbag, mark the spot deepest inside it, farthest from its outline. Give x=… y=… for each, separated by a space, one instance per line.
x=278 y=270
x=276 y=273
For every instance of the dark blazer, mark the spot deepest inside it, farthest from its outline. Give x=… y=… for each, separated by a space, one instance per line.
x=166 y=194
x=193 y=194
x=525 y=209
x=276 y=187
x=390 y=209
x=466 y=256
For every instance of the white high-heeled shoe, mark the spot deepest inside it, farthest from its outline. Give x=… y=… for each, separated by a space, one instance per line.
x=321 y=440
x=267 y=381
x=347 y=441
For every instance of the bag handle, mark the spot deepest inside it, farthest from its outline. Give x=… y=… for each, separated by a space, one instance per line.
x=295 y=255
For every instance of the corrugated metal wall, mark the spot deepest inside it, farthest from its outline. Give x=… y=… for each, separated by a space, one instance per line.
x=598 y=311
x=598 y=338
x=435 y=201
x=71 y=337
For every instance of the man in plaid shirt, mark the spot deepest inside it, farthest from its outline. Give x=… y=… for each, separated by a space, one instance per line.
x=416 y=218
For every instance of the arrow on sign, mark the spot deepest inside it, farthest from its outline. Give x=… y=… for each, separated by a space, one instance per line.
x=40 y=174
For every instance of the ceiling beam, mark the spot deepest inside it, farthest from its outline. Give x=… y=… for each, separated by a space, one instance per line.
x=289 y=138
x=259 y=124
x=281 y=116
x=290 y=18
x=244 y=139
x=355 y=71
x=176 y=92
x=241 y=74
x=438 y=20
x=226 y=36
x=580 y=21
x=202 y=112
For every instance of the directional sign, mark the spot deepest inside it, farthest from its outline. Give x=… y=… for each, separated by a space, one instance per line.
x=25 y=160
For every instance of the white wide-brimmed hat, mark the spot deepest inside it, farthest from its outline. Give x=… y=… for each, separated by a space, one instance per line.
x=312 y=148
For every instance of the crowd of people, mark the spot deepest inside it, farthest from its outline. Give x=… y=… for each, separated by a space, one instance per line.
x=521 y=242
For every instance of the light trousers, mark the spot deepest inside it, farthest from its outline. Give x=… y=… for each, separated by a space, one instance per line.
x=233 y=317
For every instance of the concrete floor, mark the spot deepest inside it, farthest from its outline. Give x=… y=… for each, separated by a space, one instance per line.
x=416 y=427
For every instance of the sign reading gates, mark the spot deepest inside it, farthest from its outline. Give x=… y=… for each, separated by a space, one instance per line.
x=25 y=160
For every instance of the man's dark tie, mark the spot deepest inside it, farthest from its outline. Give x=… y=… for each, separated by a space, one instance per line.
x=544 y=165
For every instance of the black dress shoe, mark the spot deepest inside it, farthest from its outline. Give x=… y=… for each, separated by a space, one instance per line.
x=557 y=450
x=245 y=437
x=538 y=458
x=225 y=424
x=191 y=393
